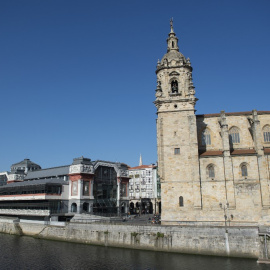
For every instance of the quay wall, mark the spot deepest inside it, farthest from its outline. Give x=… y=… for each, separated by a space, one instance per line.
x=236 y=242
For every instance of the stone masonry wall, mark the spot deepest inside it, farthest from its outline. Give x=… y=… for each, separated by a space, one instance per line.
x=244 y=199
x=237 y=242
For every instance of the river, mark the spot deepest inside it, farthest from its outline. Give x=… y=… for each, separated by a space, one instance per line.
x=22 y=252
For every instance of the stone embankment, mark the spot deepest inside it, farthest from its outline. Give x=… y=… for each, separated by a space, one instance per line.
x=208 y=240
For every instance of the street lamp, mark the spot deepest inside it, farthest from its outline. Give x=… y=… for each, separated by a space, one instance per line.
x=123 y=208
x=225 y=207
x=148 y=206
x=140 y=206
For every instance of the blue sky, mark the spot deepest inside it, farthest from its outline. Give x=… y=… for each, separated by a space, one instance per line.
x=78 y=77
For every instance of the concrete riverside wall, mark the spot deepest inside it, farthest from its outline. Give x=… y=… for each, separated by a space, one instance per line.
x=238 y=242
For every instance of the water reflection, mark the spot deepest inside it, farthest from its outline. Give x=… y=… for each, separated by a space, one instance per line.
x=29 y=253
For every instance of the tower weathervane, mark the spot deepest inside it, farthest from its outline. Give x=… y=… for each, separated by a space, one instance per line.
x=171 y=23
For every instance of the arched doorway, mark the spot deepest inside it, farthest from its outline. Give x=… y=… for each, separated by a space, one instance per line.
x=85 y=207
x=123 y=208
x=137 y=207
x=144 y=207
x=131 y=208
x=159 y=207
x=74 y=208
x=150 y=208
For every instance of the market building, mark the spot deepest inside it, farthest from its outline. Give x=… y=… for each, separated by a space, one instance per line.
x=91 y=187
x=3 y=178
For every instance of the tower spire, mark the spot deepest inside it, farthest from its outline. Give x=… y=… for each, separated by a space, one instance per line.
x=140 y=162
x=171 y=24
x=172 y=40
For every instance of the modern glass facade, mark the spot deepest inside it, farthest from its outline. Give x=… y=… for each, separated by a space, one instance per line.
x=105 y=190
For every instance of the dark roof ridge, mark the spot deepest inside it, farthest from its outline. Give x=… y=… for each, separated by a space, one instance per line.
x=114 y=162
x=232 y=113
x=35 y=182
x=51 y=168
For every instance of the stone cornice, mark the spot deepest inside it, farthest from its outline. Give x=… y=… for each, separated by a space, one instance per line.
x=182 y=66
x=81 y=168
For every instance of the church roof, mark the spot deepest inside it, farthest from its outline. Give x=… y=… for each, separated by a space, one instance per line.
x=211 y=153
x=231 y=114
x=234 y=152
x=173 y=55
x=243 y=152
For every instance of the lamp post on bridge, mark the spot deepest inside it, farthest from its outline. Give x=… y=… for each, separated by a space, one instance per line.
x=140 y=206
x=225 y=208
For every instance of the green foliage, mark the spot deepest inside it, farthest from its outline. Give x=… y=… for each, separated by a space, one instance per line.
x=160 y=235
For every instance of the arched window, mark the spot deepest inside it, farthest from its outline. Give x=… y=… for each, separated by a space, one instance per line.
x=234 y=136
x=244 y=170
x=266 y=133
x=206 y=137
x=181 y=201
x=174 y=86
x=211 y=171
x=74 y=208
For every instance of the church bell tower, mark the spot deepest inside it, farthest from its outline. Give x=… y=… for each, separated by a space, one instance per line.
x=177 y=144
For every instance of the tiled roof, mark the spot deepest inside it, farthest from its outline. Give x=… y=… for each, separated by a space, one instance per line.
x=231 y=114
x=233 y=152
x=243 y=152
x=142 y=167
x=211 y=153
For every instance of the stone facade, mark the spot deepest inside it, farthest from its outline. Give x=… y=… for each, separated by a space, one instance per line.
x=213 y=167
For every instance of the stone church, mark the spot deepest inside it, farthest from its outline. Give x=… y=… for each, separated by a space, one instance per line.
x=214 y=168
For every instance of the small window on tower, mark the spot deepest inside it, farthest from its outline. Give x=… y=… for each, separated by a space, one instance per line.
x=174 y=86
x=181 y=201
x=172 y=44
x=244 y=170
x=266 y=133
x=177 y=151
x=211 y=171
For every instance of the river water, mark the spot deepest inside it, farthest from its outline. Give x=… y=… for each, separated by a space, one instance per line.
x=22 y=252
